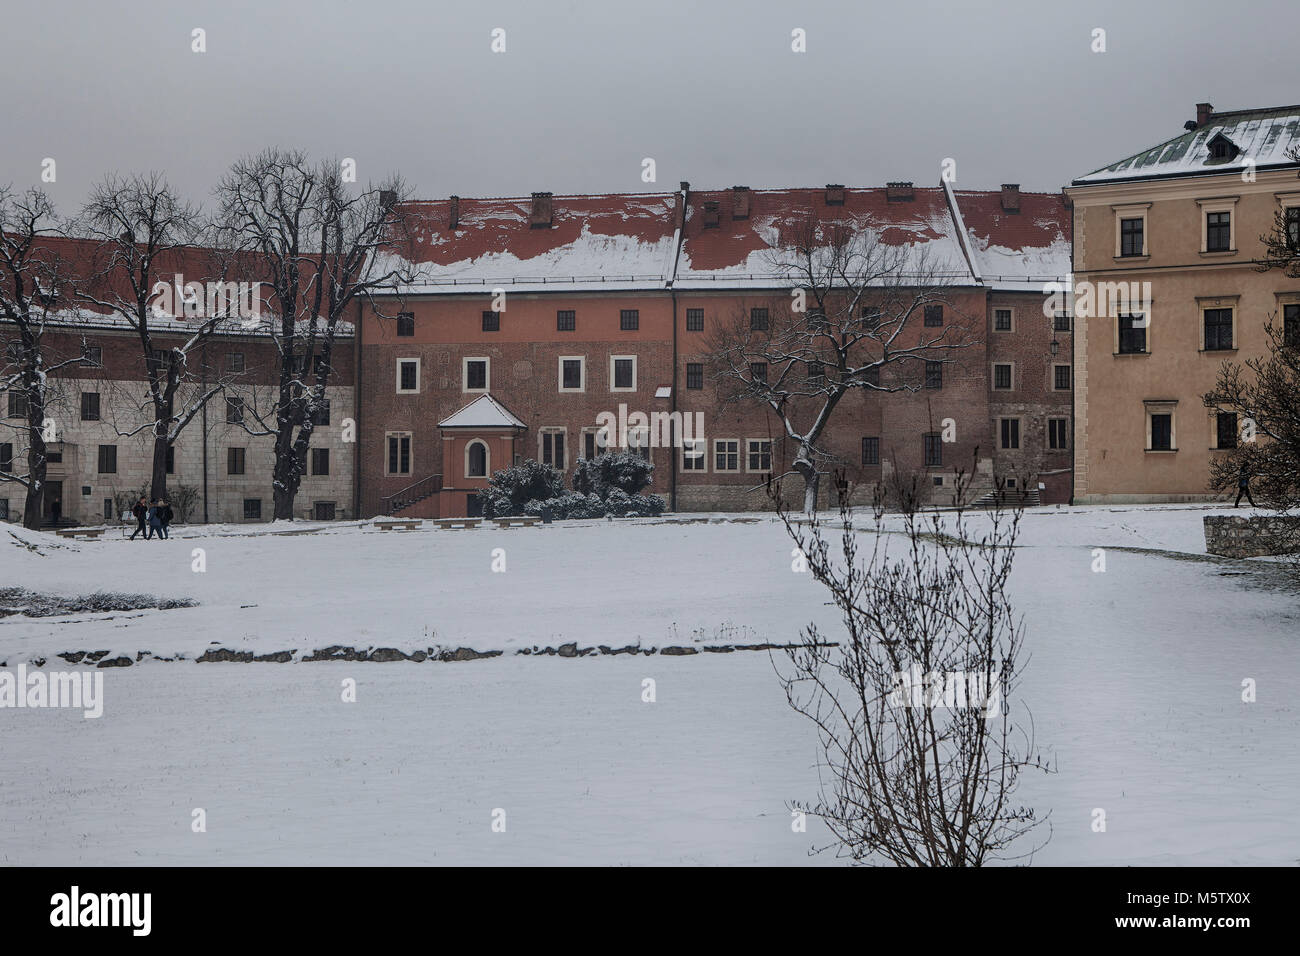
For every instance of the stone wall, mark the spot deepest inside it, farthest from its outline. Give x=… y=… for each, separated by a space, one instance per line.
x=1236 y=537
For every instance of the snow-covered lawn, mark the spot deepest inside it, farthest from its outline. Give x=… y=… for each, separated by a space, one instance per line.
x=1134 y=684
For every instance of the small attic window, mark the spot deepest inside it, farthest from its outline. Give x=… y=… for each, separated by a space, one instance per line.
x=1222 y=148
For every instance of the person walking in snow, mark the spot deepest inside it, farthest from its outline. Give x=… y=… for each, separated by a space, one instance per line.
x=164 y=517
x=1243 y=486
x=155 y=521
x=141 y=512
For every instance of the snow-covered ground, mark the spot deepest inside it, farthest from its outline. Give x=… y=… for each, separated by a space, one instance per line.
x=1134 y=684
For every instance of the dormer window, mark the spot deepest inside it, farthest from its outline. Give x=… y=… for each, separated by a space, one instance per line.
x=1222 y=148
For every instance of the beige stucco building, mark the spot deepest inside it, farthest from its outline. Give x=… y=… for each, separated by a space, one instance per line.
x=1179 y=225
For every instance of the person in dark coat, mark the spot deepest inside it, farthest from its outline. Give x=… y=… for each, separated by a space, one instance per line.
x=164 y=517
x=155 y=522
x=1243 y=487
x=140 y=511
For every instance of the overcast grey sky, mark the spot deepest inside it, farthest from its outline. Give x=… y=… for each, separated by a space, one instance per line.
x=585 y=90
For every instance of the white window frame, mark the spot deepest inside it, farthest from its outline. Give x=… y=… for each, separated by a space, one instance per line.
x=582 y=373
x=993 y=376
x=613 y=359
x=702 y=444
x=1170 y=408
x=553 y=430
x=749 y=442
x=1020 y=432
x=487 y=458
x=1216 y=302
x=1004 y=308
x=400 y=361
x=464 y=375
x=1055 y=366
x=1226 y=204
x=1137 y=211
x=410 y=436
x=739 y=461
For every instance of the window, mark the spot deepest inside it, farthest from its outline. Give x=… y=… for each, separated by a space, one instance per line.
x=694 y=320
x=758 y=320
x=234 y=410
x=90 y=406
x=252 y=509
x=695 y=454
x=1132 y=336
x=170 y=463
x=320 y=461
x=1162 y=431
x=1218 y=330
x=1002 y=377
x=399 y=453
x=566 y=320
x=1056 y=434
x=321 y=413
x=1291 y=325
x=1061 y=322
x=933 y=316
x=629 y=320
x=491 y=321
x=758 y=372
x=1131 y=241
x=323 y=510
x=1218 y=231
x=108 y=509
x=108 y=459
x=1291 y=220
x=934 y=375
x=933 y=450
x=1061 y=378
x=476 y=460
x=7 y=456
x=235 y=461
x=816 y=373
x=726 y=454
x=17 y=404
x=234 y=361
x=759 y=453
x=1225 y=430
x=572 y=373
x=93 y=355
x=695 y=375
x=1010 y=432
x=1001 y=320
x=320 y=369
x=406 y=324
x=638 y=442
x=4 y=509
x=53 y=455
x=622 y=373
x=408 y=375
x=871 y=451
x=476 y=375
x=553 y=449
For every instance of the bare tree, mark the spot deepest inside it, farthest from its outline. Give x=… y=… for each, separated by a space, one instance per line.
x=857 y=306
x=31 y=284
x=143 y=233
x=1282 y=242
x=913 y=705
x=319 y=245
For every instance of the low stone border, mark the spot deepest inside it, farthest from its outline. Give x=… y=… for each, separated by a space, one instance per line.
x=1233 y=536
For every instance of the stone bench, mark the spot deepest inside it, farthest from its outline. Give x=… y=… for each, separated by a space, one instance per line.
x=88 y=533
x=517 y=521
x=458 y=522
x=399 y=525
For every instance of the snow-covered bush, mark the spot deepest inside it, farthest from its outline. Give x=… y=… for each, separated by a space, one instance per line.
x=622 y=505
x=568 y=505
x=510 y=490
x=620 y=470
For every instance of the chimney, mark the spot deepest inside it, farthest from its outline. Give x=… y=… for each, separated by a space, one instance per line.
x=739 y=202
x=835 y=194
x=387 y=198
x=453 y=214
x=711 y=214
x=899 y=192
x=1011 y=197
x=541 y=215
x=1203 y=113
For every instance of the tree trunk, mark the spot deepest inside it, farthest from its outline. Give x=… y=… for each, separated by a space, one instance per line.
x=810 y=481
x=37 y=458
x=286 y=477
x=158 y=478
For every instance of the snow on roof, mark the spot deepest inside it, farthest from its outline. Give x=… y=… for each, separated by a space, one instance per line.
x=484 y=412
x=740 y=251
x=1017 y=250
x=1263 y=136
x=616 y=241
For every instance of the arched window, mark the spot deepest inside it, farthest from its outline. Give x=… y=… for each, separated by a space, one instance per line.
x=476 y=460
